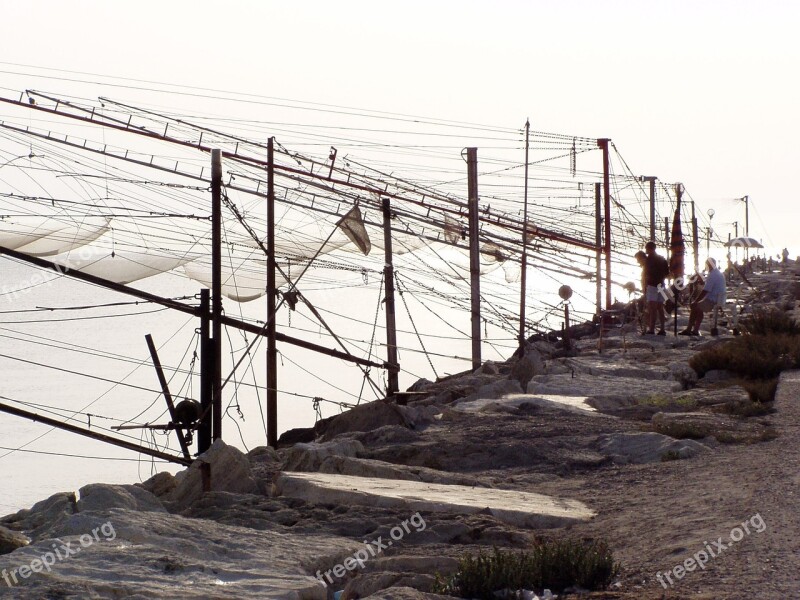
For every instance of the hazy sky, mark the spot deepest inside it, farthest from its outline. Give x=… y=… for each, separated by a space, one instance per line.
x=705 y=93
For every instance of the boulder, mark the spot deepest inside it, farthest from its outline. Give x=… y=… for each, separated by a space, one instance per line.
x=645 y=447
x=495 y=390
x=367 y=467
x=229 y=470
x=11 y=540
x=160 y=484
x=365 y=417
x=717 y=376
x=683 y=373
x=42 y=515
x=690 y=424
x=405 y=593
x=413 y=564
x=527 y=366
x=309 y=457
x=102 y=496
x=369 y=583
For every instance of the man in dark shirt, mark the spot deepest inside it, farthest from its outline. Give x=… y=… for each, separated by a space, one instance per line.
x=656 y=270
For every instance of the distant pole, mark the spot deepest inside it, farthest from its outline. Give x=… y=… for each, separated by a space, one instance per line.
x=695 y=241
x=388 y=279
x=603 y=144
x=474 y=254
x=523 y=282
x=272 y=350
x=216 y=292
x=206 y=381
x=598 y=240
x=652 y=181
x=746 y=225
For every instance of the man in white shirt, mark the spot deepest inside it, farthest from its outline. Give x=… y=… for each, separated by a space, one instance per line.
x=713 y=294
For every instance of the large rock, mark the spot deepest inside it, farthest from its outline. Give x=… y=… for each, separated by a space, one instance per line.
x=309 y=457
x=527 y=366
x=367 y=467
x=229 y=470
x=523 y=509
x=369 y=583
x=102 y=496
x=398 y=592
x=645 y=447
x=494 y=390
x=684 y=374
x=42 y=515
x=365 y=417
x=11 y=540
x=690 y=424
x=582 y=384
x=160 y=556
x=161 y=484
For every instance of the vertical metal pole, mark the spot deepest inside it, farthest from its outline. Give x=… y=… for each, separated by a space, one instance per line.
x=695 y=241
x=598 y=240
x=216 y=292
x=272 y=351
x=524 y=279
x=206 y=388
x=652 y=181
x=603 y=144
x=388 y=278
x=746 y=225
x=474 y=254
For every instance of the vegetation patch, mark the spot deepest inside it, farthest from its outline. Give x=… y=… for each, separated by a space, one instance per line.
x=556 y=565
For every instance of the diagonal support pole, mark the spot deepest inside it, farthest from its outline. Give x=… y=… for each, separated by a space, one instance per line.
x=167 y=395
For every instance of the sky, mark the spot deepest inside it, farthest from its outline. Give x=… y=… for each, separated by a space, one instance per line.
x=704 y=93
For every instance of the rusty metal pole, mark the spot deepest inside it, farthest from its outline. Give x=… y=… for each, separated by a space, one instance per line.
x=216 y=293
x=388 y=282
x=474 y=254
x=524 y=277
x=272 y=351
x=603 y=144
x=695 y=241
x=598 y=240
x=206 y=386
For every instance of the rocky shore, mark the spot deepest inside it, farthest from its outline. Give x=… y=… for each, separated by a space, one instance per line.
x=617 y=439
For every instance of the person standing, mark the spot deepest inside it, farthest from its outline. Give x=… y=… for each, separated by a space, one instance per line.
x=656 y=270
x=713 y=294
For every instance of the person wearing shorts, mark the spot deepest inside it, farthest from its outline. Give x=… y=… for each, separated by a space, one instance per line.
x=656 y=270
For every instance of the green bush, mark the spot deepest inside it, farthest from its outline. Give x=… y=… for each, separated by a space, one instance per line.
x=765 y=321
x=552 y=564
x=754 y=356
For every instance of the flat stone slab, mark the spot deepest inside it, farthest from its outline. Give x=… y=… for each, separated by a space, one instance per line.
x=525 y=509
x=570 y=403
x=582 y=384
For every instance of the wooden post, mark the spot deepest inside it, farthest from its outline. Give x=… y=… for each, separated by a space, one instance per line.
x=474 y=254
x=272 y=351
x=603 y=144
x=598 y=240
x=388 y=279
x=206 y=386
x=524 y=278
x=666 y=232
x=216 y=292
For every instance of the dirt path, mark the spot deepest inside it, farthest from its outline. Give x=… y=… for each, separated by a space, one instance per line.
x=657 y=516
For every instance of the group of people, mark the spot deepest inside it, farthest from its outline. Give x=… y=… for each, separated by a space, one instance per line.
x=655 y=271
